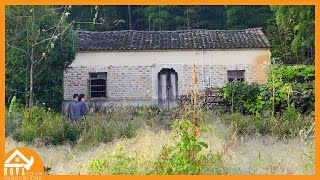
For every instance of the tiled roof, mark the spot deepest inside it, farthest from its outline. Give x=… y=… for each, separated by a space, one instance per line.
x=166 y=40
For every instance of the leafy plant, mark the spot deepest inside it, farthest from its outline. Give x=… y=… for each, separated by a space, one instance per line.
x=148 y=111
x=11 y=124
x=50 y=128
x=244 y=97
x=115 y=164
x=286 y=85
x=14 y=107
x=184 y=157
x=286 y=125
x=41 y=125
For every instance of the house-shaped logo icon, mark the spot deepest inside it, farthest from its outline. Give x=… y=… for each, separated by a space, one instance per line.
x=17 y=159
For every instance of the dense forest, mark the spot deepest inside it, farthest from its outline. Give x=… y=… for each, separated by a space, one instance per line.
x=290 y=29
x=162 y=18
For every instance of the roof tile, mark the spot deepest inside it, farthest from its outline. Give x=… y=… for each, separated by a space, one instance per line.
x=165 y=40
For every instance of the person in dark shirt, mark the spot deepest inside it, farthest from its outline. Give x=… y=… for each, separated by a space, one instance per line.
x=72 y=108
x=81 y=107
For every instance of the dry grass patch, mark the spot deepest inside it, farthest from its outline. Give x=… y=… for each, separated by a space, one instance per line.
x=250 y=155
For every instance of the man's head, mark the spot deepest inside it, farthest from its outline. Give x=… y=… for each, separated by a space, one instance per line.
x=75 y=97
x=81 y=97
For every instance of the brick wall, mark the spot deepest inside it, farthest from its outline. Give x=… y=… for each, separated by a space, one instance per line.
x=135 y=82
x=130 y=82
x=218 y=75
x=75 y=81
x=123 y=82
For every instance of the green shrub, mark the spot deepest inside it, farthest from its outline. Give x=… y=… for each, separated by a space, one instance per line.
x=38 y=124
x=184 y=157
x=12 y=123
x=72 y=132
x=41 y=125
x=294 y=73
x=147 y=111
x=14 y=107
x=13 y=117
x=290 y=84
x=97 y=167
x=243 y=97
x=291 y=123
x=247 y=125
x=286 y=85
x=286 y=125
x=115 y=164
x=303 y=97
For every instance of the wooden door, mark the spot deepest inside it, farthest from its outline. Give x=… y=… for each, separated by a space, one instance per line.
x=167 y=89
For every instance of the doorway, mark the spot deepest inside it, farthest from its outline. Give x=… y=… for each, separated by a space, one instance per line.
x=167 y=89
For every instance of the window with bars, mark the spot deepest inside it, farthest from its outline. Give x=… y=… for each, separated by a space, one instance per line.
x=235 y=75
x=97 y=84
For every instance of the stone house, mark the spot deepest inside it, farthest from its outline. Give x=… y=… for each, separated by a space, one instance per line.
x=155 y=67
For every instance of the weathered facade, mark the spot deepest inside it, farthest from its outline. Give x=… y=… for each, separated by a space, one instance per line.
x=142 y=67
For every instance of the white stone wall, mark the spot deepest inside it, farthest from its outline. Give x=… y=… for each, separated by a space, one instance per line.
x=148 y=58
x=134 y=75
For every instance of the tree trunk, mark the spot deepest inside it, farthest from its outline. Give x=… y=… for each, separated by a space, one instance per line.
x=129 y=12
x=31 y=75
x=188 y=19
x=159 y=18
x=149 y=23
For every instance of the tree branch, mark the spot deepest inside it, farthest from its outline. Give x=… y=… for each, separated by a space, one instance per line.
x=16 y=48
x=51 y=38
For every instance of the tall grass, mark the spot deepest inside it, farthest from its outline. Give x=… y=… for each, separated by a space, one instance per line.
x=37 y=125
x=289 y=125
x=120 y=122
x=254 y=154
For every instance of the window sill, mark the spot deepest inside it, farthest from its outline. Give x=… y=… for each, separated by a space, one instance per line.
x=97 y=98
